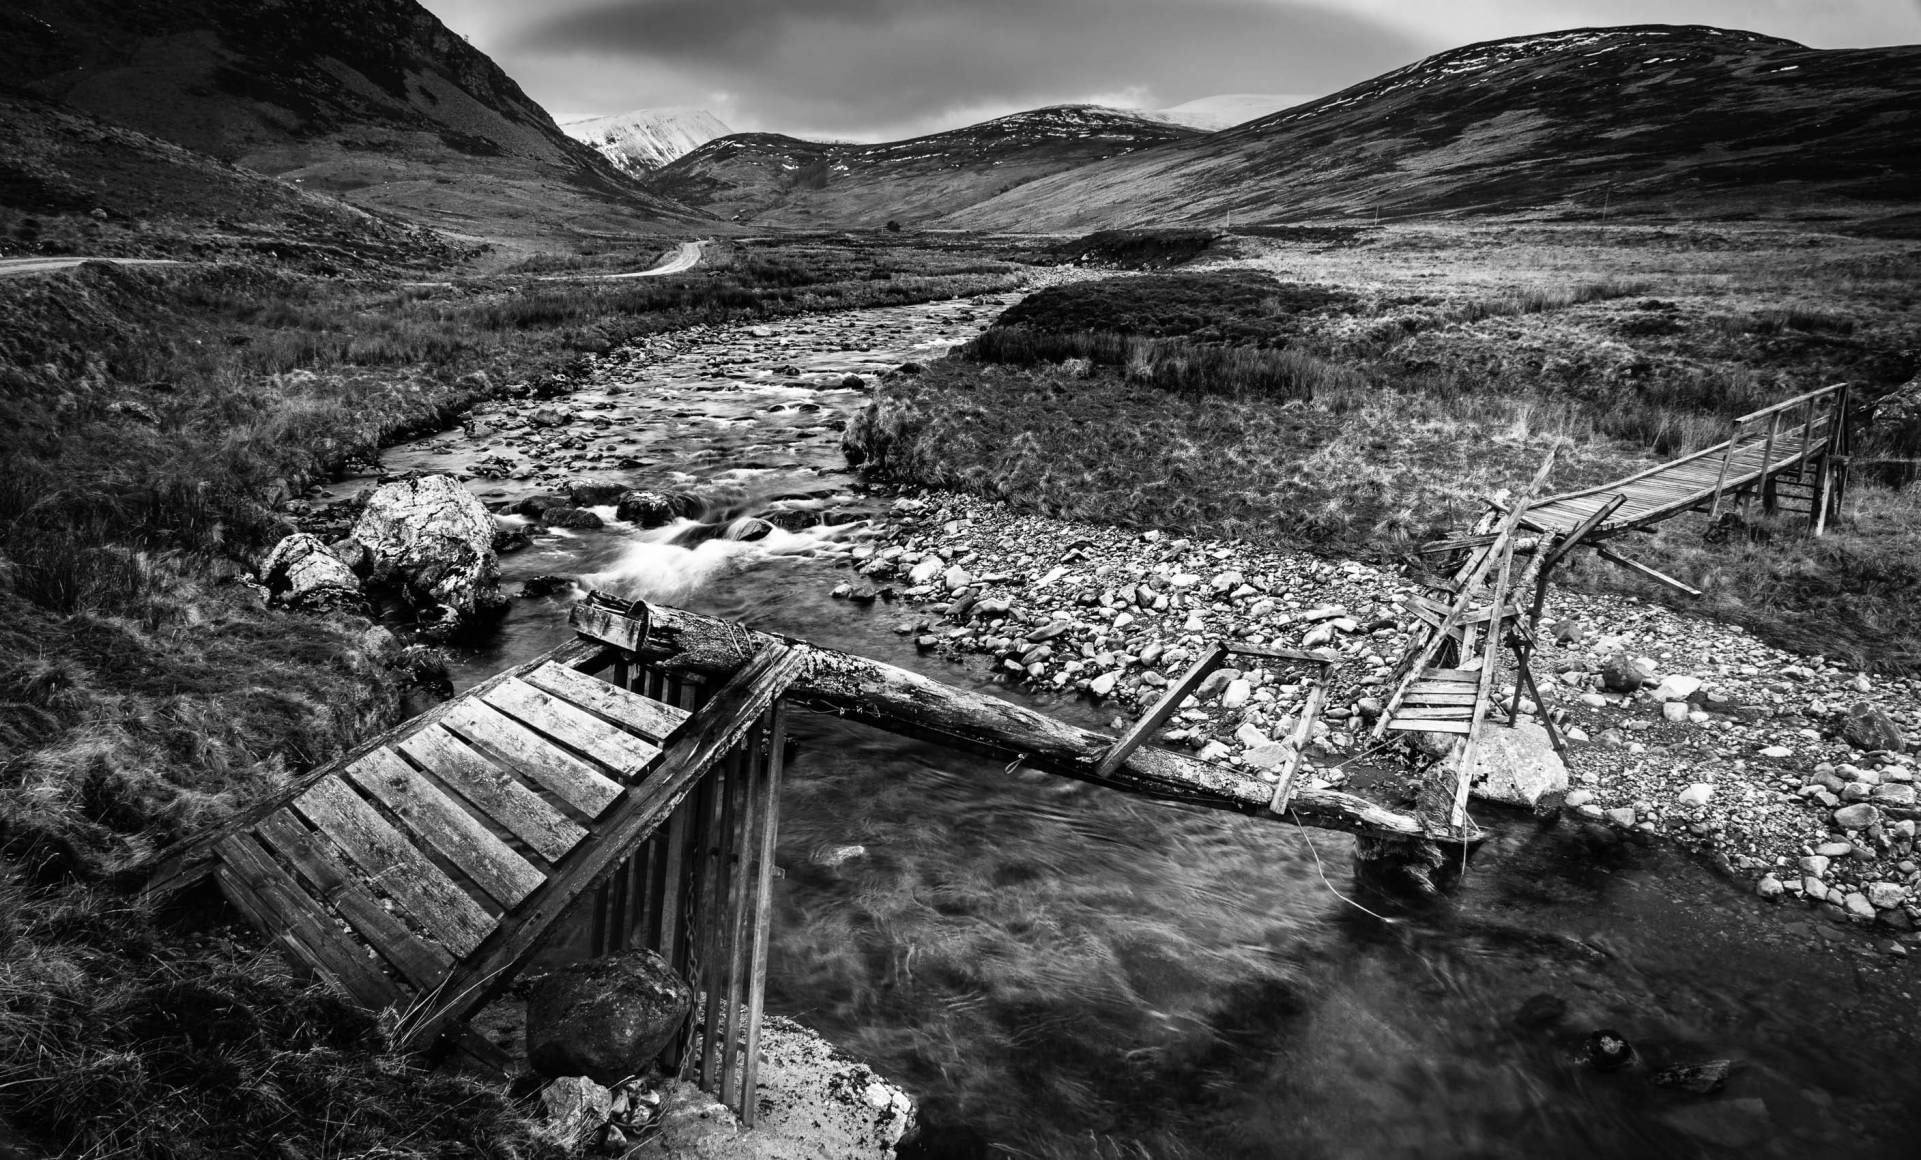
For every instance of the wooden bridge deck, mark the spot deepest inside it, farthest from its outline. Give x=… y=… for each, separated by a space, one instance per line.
x=1744 y=462
x=422 y=869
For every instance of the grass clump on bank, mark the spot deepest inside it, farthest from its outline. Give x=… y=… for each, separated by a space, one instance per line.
x=1360 y=399
x=154 y=424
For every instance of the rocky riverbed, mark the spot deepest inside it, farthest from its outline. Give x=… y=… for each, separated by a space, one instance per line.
x=1788 y=772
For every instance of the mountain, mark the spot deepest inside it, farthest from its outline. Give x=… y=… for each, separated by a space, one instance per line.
x=1227 y=109
x=772 y=179
x=1648 y=119
x=646 y=139
x=373 y=100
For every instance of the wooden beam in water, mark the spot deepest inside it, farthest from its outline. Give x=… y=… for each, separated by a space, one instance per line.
x=892 y=698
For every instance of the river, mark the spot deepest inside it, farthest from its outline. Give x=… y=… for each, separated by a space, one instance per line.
x=1057 y=970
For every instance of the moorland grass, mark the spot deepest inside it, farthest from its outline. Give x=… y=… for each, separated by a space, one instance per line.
x=1433 y=366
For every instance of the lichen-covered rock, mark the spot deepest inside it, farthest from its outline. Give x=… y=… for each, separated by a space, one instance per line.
x=606 y=1018
x=301 y=572
x=576 y=1107
x=432 y=541
x=1869 y=728
x=1519 y=766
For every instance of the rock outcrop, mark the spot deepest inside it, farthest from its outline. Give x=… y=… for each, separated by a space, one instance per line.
x=302 y=572
x=432 y=542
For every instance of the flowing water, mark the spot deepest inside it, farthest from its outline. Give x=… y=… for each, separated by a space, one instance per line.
x=1059 y=970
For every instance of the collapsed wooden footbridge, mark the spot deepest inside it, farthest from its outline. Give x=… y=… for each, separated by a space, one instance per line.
x=630 y=778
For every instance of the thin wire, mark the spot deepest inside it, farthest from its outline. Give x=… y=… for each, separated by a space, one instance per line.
x=1322 y=871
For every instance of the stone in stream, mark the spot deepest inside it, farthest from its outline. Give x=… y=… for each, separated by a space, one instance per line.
x=1607 y=1050
x=747 y=529
x=605 y=1018
x=432 y=540
x=648 y=509
x=570 y=517
x=593 y=492
x=1701 y=1079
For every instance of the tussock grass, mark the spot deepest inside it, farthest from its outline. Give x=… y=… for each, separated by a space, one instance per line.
x=1430 y=366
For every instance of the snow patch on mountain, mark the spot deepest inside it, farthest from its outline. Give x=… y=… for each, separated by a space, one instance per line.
x=646 y=139
x=1225 y=109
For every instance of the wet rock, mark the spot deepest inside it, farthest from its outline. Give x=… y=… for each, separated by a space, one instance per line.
x=1518 y=766
x=594 y=492
x=853 y=383
x=1868 y=727
x=1607 y=1050
x=1736 y=1125
x=431 y=540
x=511 y=538
x=302 y=572
x=571 y=517
x=605 y=1018
x=1701 y=1079
x=534 y=505
x=649 y=509
x=1541 y=1009
x=546 y=417
x=539 y=586
x=748 y=529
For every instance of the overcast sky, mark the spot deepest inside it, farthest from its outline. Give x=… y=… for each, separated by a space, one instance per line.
x=885 y=69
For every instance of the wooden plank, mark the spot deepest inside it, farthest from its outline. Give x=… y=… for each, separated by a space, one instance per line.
x=651 y=719
x=519 y=810
x=624 y=630
x=1436 y=700
x=420 y=962
x=622 y=752
x=1465 y=753
x=575 y=781
x=1452 y=676
x=441 y=823
x=181 y=865
x=715 y=729
x=289 y=911
x=1426 y=726
x=429 y=897
x=1170 y=702
x=1435 y=712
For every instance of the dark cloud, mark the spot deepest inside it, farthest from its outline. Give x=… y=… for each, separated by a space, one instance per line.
x=862 y=67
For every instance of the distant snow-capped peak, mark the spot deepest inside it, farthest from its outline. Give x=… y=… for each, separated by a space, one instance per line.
x=646 y=139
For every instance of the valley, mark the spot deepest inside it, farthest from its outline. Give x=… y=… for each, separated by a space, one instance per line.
x=1042 y=407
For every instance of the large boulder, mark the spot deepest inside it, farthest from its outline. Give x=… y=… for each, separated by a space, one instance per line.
x=1868 y=727
x=1519 y=766
x=431 y=540
x=302 y=572
x=606 y=1018
x=592 y=492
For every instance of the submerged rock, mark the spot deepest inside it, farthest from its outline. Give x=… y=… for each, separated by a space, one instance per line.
x=1702 y=1079
x=605 y=1018
x=649 y=509
x=1607 y=1051
x=432 y=540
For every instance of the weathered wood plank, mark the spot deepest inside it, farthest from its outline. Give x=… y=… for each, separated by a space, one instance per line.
x=892 y=698
x=519 y=810
x=581 y=784
x=441 y=908
x=1435 y=712
x=652 y=720
x=622 y=752
x=178 y=866
x=1407 y=725
x=422 y=963
x=441 y=823
x=715 y=729
x=1170 y=703
x=318 y=941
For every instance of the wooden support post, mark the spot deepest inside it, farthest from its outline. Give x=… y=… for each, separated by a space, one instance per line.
x=1766 y=482
x=1303 y=733
x=763 y=911
x=1608 y=553
x=1727 y=460
x=1210 y=659
x=1524 y=661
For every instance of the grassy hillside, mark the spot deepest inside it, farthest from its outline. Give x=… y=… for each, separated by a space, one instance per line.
x=1360 y=398
x=1657 y=120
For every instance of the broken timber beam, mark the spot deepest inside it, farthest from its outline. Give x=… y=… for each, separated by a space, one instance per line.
x=892 y=698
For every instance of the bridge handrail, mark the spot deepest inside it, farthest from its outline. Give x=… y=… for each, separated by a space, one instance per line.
x=1787 y=403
